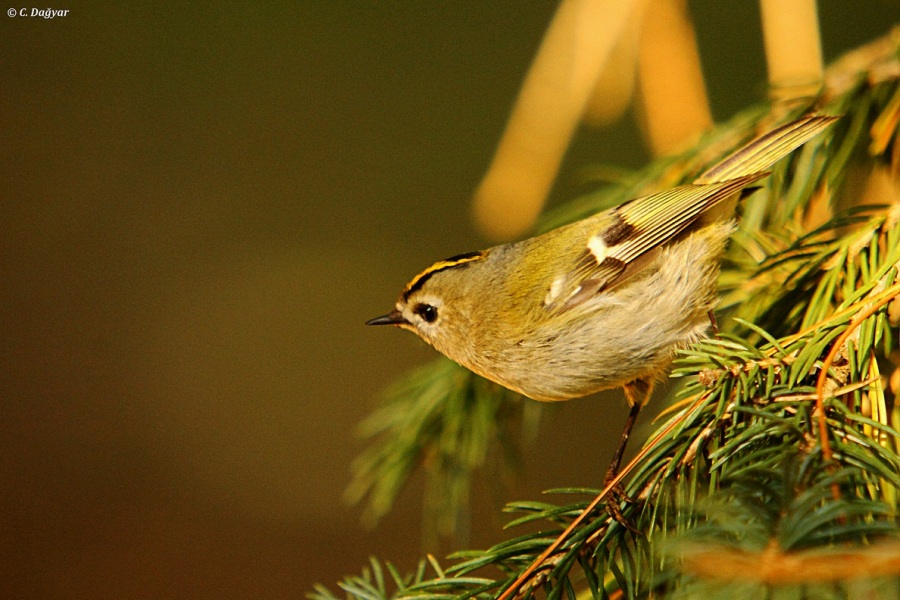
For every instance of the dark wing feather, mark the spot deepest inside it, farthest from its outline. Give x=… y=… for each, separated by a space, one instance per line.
x=638 y=227
x=767 y=149
x=658 y=218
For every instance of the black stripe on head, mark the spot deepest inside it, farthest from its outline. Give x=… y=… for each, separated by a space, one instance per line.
x=454 y=262
x=619 y=231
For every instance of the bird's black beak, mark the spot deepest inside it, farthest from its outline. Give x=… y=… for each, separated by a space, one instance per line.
x=395 y=317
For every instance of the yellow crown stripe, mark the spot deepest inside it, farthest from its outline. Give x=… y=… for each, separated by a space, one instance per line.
x=442 y=265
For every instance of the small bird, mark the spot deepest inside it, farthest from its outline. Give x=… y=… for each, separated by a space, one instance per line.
x=601 y=303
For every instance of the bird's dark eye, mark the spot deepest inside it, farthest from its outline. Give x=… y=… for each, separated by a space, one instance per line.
x=427 y=312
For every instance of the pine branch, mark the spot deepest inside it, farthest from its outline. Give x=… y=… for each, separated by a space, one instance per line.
x=443 y=417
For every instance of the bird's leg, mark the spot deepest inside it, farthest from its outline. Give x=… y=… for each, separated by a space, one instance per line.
x=613 y=469
x=713 y=323
x=637 y=393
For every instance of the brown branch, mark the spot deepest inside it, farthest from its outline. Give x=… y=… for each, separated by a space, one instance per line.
x=538 y=563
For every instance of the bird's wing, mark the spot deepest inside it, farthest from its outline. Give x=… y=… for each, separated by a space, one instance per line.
x=633 y=229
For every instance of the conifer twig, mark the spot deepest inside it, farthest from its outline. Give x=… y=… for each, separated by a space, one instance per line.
x=881 y=300
x=647 y=449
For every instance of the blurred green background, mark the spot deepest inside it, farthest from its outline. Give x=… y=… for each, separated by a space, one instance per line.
x=200 y=206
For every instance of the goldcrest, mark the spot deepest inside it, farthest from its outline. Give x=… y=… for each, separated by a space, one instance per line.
x=601 y=303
